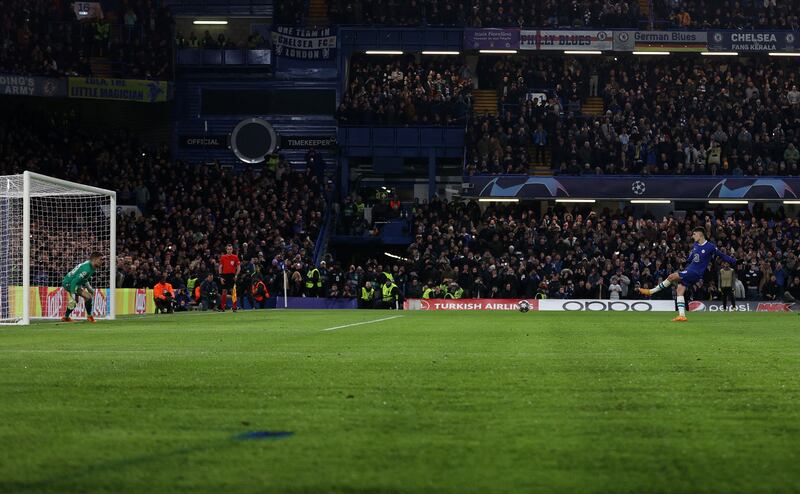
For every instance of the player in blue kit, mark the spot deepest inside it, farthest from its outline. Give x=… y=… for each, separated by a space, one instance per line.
x=702 y=253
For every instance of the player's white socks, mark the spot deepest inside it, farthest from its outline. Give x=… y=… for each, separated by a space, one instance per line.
x=681 y=306
x=664 y=284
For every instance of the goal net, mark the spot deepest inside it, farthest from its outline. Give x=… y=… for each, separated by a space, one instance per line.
x=47 y=227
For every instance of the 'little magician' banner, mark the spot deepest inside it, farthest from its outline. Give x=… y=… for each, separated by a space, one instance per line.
x=119 y=89
x=305 y=44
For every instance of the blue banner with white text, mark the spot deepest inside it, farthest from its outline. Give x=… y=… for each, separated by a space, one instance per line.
x=752 y=41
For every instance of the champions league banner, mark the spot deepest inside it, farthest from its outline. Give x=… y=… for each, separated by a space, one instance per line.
x=631 y=187
x=304 y=44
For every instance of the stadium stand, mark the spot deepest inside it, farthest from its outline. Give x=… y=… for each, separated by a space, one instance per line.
x=488 y=13
x=569 y=115
x=406 y=92
x=45 y=38
x=767 y=14
x=684 y=116
x=511 y=251
x=187 y=213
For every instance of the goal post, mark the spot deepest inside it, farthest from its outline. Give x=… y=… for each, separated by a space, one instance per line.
x=47 y=227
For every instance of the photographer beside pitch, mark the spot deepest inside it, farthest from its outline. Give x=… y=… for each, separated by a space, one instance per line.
x=697 y=262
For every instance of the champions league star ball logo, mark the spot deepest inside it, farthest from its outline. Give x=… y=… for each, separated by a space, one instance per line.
x=638 y=187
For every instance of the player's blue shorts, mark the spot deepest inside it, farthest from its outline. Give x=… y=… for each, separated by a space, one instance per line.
x=689 y=278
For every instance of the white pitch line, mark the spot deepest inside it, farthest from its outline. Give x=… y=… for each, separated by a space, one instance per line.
x=360 y=323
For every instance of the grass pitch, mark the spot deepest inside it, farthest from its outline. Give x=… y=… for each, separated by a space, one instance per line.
x=427 y=402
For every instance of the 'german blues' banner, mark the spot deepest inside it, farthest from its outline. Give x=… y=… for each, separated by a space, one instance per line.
x=119 y=89
x=680 y=41
x=566 y=40
x=632 y=187
x=488 y=39
x=16 y=85
x=752 y=40
x=306 y=44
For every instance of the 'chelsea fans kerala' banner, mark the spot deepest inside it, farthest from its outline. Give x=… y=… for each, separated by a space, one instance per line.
x=566 y=40
x=119 y=89
x=752 y=40
x=305 y=44
x=678 y=41
x=491 y=38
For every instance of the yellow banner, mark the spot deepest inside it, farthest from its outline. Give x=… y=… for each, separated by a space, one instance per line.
x=118 y=89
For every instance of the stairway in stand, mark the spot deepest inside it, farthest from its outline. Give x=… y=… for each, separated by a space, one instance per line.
x=101 y=67
x=484 y=101
x=541 y=171
x=644 y=11
x=539 y=167
x=317 y=13
x=593 y=106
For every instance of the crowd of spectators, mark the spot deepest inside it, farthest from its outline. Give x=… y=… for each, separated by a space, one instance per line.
x=511 y=251
x=271 y=216
x=207 y=41
x=460 y=251
x=406 y=91
x=289 y=12
x=42 y=37
x=187 y=213
x=686 y=115
x=728 y=14
x=488 y=13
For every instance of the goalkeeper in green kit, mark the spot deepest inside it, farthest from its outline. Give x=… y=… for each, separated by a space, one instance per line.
x=76 y=284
